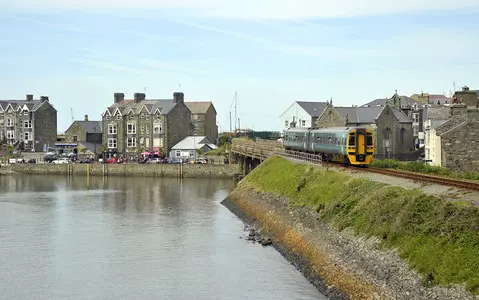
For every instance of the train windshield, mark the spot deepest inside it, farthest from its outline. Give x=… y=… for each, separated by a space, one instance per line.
x=352 y=141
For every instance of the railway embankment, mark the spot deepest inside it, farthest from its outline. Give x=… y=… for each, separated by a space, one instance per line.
x=356 y=238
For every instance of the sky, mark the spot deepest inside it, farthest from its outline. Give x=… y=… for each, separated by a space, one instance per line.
x=272 y=52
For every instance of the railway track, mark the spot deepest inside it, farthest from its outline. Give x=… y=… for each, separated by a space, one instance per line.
x=425 y=178
x=418 y=177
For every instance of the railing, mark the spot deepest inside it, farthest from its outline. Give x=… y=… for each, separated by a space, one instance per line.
x=262 y=149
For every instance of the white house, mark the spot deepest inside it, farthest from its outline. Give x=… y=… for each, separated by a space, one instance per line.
x=434 y=116
x=302 y=114
x=187 y=148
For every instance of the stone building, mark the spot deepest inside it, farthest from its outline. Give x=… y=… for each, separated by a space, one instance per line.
x=28 y=124
x=140 y=124
x=203 y=118
x=455 y=140
x=86 y=134
x=411 y=108
x=468 y=97
x=393 y=129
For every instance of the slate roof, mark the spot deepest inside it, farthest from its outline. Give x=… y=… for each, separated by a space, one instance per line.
x=314 y=109
x=382 y=102
x=360 y=114
x=91 y=146
x=198 y=107
x=32 y=105
x=368 y=115
x=434 y=99
x=437 y=113
x=152 y=105
x=91 y=126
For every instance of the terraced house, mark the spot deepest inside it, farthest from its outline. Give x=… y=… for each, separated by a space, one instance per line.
x=203 y=118
x=28 y=124
x=139 y=124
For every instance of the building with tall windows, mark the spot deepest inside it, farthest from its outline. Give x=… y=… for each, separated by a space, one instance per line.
x=28 y=124
x=132 y=126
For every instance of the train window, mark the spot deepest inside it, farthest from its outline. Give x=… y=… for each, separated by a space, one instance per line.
x=369 y=139
x=352 y=141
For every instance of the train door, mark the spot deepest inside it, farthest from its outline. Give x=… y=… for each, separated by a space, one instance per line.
x=360 y=145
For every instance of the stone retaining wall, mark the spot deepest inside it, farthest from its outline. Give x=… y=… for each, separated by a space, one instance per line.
x=340 y=264
x=151 y=170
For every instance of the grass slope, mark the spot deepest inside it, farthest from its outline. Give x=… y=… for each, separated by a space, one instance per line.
x=438 y=238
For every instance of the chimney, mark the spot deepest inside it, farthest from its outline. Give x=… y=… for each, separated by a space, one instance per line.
x=29 y=97
x=43 y=98
x=178 y=97
x=139 y=97
x=458 y=109
x=119 y=97
x=86 y=118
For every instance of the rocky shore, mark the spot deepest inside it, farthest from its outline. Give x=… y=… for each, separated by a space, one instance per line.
x=339 y=263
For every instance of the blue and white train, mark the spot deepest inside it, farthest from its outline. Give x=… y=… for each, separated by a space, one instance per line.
x=349 y=145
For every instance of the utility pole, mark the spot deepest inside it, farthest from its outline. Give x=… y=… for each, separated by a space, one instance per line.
x=236 y=104
x=230 y=122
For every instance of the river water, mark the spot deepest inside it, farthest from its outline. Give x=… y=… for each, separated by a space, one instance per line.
x=132 y=238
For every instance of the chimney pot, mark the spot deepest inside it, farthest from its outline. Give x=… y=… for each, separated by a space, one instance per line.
x=178 y=97
x=118 y=97
x=43 y=98
x=29 y=97
x=139 y=97
x=86 y=117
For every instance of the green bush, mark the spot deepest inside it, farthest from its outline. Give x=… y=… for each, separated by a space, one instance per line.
x=438 y=238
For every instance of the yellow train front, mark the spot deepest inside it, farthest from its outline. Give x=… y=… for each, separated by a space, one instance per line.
x=347 y=145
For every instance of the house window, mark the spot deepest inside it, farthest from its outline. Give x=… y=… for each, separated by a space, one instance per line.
x=415 y=118
x=27 y=136
x=147 y=117
x=178 y=153
x=304 y=123
x=112 y=129
x=142 y=128
x=9 y=122
x=195 y=117
x=112 y=143
x=286 y=123
x=158 y=127
x=108 y=117
x=10 y=134
x=416 y=131
x=131 y=142
x=142 y=116
x=25 y=112
x=131 y=128
x=75 y=138
x=192 y=153
x=147 y=142
x=118 y=117
x=27 y=124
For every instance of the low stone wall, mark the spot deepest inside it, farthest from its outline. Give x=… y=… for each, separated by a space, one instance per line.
x=150 y=170
x=340 y=264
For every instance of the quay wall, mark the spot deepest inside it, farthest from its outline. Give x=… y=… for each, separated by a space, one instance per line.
x=227 y=171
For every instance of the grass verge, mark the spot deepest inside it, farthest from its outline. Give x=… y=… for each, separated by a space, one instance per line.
x=436 y=237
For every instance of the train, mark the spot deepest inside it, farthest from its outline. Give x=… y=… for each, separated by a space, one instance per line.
x=347 y=145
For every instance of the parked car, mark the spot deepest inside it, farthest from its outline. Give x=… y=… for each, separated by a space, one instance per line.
x=62 y=160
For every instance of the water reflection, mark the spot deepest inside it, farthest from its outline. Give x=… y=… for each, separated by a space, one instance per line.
x=132 y=238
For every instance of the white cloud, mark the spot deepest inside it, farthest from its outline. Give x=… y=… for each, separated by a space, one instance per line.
x=252 y=9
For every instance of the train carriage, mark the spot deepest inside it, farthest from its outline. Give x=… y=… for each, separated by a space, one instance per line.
x=296 y=139
x=349 y=145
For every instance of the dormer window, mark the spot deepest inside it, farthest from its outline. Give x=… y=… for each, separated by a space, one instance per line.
x=108 y=117
x=142 y=116
x=118 y=117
